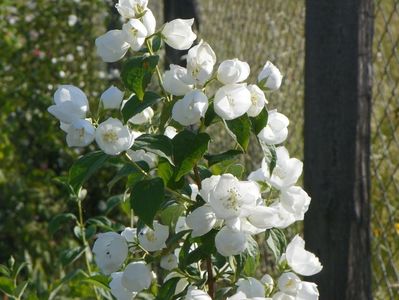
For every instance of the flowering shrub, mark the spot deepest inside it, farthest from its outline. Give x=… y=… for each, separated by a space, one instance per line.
x=194 y=214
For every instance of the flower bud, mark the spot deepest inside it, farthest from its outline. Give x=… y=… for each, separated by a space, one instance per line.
x=110 y=250
x=112 y=98
x=229 y=242
x=233 y=71
x=169 y=262
x=154 y=239
x=143 y=117
x=178 y=34
x=270 y=77
x=191 y=108
x=112 y=46
x=149 y=22
x=176 y=82
x=136 y=277
x=276 y=130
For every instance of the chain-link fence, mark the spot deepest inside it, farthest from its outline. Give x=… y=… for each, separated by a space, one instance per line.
x=385 y=151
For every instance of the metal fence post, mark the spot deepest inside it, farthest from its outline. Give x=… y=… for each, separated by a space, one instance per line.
x=337 y=144
x=183 y=9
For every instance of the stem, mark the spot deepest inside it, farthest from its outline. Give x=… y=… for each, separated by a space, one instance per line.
x=159 y=75
x=85 y=243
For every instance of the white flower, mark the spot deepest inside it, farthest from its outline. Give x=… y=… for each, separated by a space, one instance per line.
x=170 y=132
x=112 y=98
x=270 y=76
x=230 y=196
x=176 y=81
x=119 y=291
x=169 y=262
x=72 y=19
x=258 y=100
x=301 y=261
x=229 y=242
x=251 y=287
x=207 y=185
x=137 y=277
x=296 y=201
x=196 y=294
x=232 y=101
x=289 y=283
x=112 y=46
x=286 y=218
x=71 y=104
x=200 y=61
x=194 y=191
x=233 y=71
x=191 y=108
x=140 y=155
x=110 y=250
x=178 y=34
x=276 y=130
x=128 y=9
x=285 y=174
x=80 y=133
x=201 y=220
x=264 y=217
x=143 y=117
x=283 y=296
x=135 y=33
x=154 y=239
x=242 y=296
x=113 y=137
x=307 y=291
x=130 y=234
x=149 y=22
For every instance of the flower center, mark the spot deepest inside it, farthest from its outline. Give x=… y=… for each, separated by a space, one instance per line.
x=150 y=235
x=232 y=201
x=110 y=136
x=279 y=172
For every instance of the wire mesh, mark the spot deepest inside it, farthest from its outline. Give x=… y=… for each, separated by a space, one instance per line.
x=385 y=150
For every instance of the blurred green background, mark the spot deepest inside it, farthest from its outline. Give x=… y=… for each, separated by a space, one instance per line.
x=45 y=43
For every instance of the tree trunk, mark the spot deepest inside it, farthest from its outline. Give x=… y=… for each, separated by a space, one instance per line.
x=337 y=144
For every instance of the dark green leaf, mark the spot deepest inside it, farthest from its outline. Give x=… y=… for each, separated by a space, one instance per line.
x=166 y=112
x=156 y=43
x=188 y=149
x=167 y=290
x=125 y=171
x=276 y=241
x=210 y=116
x=259 y=122
x=137 y=73
x=134 y=105
x=146 y=198
x=240 y=130
x=269 y=152
x=60 y=220
x=171 y=214
x=70 y=255
x=113 y=202
x=159 y=144
x=101 y=222
x=216 y=158
x=85 y=167
x=251 y=261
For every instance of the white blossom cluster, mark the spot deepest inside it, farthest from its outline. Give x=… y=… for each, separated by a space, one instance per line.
x=236 y=209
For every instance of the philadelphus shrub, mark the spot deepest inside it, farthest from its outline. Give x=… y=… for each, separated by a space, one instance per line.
x=195 y=216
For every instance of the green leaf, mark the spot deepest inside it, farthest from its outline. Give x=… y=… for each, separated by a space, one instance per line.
x=78 y=274
x=216 y=158
x=5 y=270
x=188 y=150
x=85 y=167
x=70 y=255
x=100 y=281
x=210 y=116
x=167 y=290
x=171 y=214
x=235 y=169
x=146 y=198
x=156 y=43
x=20 y=290
x=158 y=144
x=276 y=241
x=251 y=257
x=125 y=171
x=260 y=121
x=137 y=72
x=6 y=286
x=269 y=152
x=113 y=202
x=240 y=130
x=135 y=106
x=60 y=220
x=101 y=222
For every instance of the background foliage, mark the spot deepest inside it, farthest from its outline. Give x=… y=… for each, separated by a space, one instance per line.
x=41 y=46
